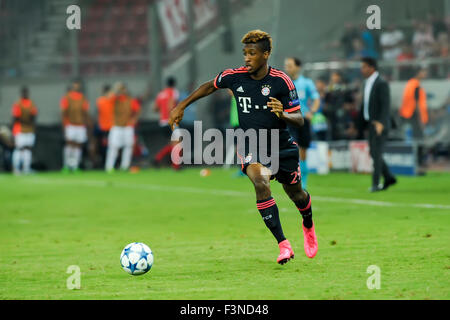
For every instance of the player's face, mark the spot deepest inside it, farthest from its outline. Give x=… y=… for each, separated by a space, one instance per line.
x=254 y=57
x=291 y=69
x=25 y=93
x=366 y=70
x=76 y=86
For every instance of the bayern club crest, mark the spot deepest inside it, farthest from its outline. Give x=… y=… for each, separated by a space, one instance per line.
x=265 y=90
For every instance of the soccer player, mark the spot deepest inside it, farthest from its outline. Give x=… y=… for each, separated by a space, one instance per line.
x=266 y=99
x=24 y=114
x=165 y=101
x=308 y=96
x=75 y=118
x=105 y=119
x=126 y=112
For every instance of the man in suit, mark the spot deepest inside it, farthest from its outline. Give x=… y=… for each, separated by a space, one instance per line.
x=375 y=117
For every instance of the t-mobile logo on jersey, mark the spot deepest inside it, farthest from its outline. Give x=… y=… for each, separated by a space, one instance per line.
x=246 y=103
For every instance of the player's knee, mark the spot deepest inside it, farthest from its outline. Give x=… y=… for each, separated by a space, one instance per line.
x=262 y=187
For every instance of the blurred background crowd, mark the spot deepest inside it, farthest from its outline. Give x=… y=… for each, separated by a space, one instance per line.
x=150 y=46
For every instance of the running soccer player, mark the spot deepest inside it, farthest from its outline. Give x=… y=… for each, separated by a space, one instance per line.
x=24 y=113
x=310 y=102
x=267 y=99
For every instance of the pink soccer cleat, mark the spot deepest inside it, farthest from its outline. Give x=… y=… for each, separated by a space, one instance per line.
x=286 y=252
x=310 y=244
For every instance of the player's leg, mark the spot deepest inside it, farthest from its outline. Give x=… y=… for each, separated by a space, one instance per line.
x=27 y=153
x=77 y=155
x=27 y=158
x=260 y=177
x=302 y=200
x=68 y=154
x=80 y=137
x=167 y=149
x=16 y=160
x=113 y=149
x=17 y=153
x=127 y=152
x=375 y=153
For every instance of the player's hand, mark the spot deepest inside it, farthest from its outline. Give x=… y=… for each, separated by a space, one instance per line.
x=176 y=115
x=309 y=116
x=276 y=106
x=378 y=127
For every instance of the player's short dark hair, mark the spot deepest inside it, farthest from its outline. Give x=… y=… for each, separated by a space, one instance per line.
x=106 y=88
x=171 y=82
x=370 y=62
x=263 y=39
x=297 y=61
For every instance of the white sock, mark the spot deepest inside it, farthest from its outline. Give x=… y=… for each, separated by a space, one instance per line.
x=16 y=159
x=127 y=154
x=26 y=156
x=66 y=155
x=76 y=157
x=111 y=157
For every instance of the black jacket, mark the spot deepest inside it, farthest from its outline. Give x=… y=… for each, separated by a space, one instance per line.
x=379 y=104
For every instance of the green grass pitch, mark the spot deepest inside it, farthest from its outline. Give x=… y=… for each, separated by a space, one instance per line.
x=209 y=241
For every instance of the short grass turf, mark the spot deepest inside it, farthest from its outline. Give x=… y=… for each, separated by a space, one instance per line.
x=209 y=241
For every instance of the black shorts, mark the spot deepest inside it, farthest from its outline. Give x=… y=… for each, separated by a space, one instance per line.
x=166 y=131
x=289 y=169
x=302 y=135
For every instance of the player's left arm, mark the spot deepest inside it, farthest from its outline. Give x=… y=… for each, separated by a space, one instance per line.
x=34 y=112
x=293 y=118
x=136 y=107
x=287 y=106
x=87 y=120
x=15 y=114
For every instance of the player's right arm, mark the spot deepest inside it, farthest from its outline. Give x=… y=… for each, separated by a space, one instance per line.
x=176 y=115
x=15 y=114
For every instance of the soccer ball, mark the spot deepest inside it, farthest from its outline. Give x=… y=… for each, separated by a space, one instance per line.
x=136 y=258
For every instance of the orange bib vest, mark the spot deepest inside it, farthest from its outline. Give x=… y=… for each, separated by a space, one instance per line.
x=409 y=101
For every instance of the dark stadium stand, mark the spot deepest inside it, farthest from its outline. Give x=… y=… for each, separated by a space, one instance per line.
x=114 y=29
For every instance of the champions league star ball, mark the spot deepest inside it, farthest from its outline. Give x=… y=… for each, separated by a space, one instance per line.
x=136 y=258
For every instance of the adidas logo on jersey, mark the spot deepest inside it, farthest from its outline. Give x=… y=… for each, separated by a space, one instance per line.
x=240 y=89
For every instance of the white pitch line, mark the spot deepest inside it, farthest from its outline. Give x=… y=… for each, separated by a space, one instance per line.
x=227 y=193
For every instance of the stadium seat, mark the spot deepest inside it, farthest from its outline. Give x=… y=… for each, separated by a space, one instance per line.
x=118 y=11
x=108 y=26
x=123 y=39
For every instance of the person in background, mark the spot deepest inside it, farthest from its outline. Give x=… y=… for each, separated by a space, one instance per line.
x=104 y=120
x=334 y=100
x=309 y=102
x=24 y=113
x=390 y=41
x=165 y=101
x=75 y=119
x=375 y=113
x=423 y=40
x=126 y=112
x=414 y=108
x=319 y=122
